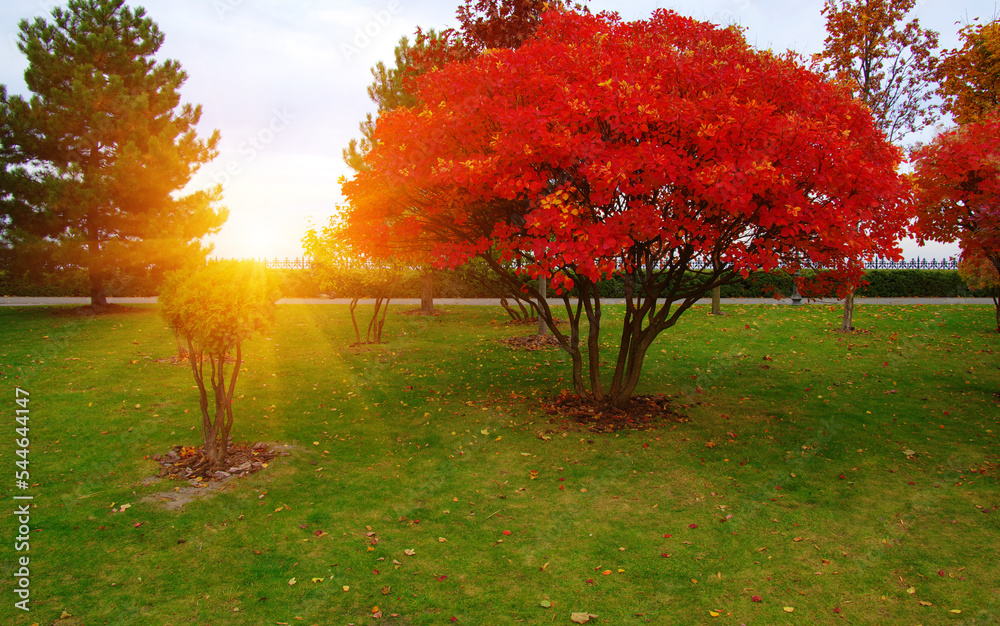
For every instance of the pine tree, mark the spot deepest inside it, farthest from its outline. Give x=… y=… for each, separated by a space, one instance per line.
x=109 y=144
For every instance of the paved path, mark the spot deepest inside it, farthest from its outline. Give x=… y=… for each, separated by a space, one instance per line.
x=28 y=301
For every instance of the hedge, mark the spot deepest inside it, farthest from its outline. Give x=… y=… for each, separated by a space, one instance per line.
x=450 y=284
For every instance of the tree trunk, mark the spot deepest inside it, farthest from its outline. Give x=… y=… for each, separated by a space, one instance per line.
x=543 y=329
x=196 y=357
x=376 y=323
x=98 y=297
x=996 y=304
x=848 y=322
x=427 y=293
x=354 y=319
x=213 y=453
x=717 y=300
x=227 y=425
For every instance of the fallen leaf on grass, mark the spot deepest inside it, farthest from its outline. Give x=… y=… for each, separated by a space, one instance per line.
x=581 y=618
x=545 y=604
x=788 y=609
x=409 y=552
x=318 y=580
x=291 y=582
x=956 y=611
x=926 y=603
x=713 y=613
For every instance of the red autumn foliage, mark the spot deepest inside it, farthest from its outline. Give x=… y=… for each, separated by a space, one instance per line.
x=958 y=191
x=667 y=150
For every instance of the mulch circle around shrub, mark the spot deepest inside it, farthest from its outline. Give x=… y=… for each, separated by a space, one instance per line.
x=531 y=342
x=432 y=312
x=641 y=413
x=190 y=463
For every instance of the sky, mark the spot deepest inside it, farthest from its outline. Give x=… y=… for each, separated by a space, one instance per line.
x=284 y=82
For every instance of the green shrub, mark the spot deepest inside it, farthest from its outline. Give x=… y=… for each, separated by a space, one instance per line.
x=215 y=308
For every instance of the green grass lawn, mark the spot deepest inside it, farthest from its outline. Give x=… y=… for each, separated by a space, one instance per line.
x=411 y=461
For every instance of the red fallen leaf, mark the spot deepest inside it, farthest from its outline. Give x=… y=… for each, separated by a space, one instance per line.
x=645 y=445
x=665 y=555
x=693 y=526
x=757 y=599
x=777 y=487
x=746 y=327
x=454 y=619
x=100 y=528
x=506 y=532
x=940 y=572
x=911 y=483
x=137 y=524
x=376 y=572
x=319 y=533
x=836 y=609
x=303 y=526
x=590 y=581
x=441 y=578
x=842 y=477
x=666 y=536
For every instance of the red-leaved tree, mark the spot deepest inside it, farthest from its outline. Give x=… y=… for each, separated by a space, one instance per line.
x=666 y=150
x=958 y=191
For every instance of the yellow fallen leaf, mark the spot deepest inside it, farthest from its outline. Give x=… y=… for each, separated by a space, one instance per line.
x=291 y=582
x=956 y=611
x=713 y=613
x=788 y=609
x=926 y=603
x=911 y=591
x=346 y=588
x=318 y=580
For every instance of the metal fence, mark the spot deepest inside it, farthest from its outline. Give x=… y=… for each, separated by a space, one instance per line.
x=877 y=264
x=913 y=264
x=277 y=264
